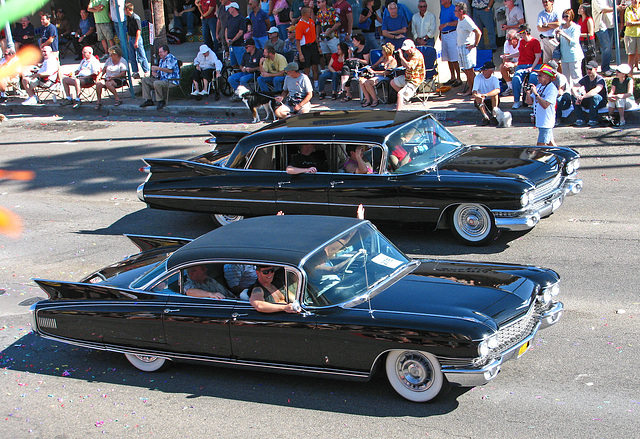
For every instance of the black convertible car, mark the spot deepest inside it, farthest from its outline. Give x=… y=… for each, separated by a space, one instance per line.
x=419 y=173
x=362 y=305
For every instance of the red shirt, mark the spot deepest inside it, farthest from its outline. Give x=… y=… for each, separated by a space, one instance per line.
x=528 y=51
x=337 y=65
x=343 y=8
x=205 y=5
x=584 y=29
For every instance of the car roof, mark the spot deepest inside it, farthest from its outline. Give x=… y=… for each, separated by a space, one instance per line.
x=367 y=125
x=282 y=238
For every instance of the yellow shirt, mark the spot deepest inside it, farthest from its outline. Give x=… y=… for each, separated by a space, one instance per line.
x=632 y=15
x=277 y=65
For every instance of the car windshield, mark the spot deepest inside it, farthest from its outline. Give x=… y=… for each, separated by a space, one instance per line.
x=150 y=275
x=419 y=145
x=350 y=266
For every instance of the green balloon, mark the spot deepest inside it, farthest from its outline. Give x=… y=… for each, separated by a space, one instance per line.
x=14 y=10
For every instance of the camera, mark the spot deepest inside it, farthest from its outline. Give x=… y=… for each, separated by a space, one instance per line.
x=528 y=87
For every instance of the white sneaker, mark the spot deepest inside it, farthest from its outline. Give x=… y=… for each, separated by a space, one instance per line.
x=203 y=92
x=516 y=105
x=31 y=101
x=189 y=34
x=195 y=93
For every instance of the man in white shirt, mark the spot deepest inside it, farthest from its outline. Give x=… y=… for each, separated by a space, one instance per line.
x=423 y=26
x=515 y=16
x=84 y=76
x=548 y=22
x=486 y=93
x=41 y=77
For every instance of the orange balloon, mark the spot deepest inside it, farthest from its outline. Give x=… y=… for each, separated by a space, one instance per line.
x=10 y=223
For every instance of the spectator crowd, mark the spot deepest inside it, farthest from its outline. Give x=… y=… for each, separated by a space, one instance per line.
x=292 y=49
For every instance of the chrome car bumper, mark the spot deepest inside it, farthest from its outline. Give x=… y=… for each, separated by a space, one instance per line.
x=140 y=192
x=518 y=220
x=472 y=377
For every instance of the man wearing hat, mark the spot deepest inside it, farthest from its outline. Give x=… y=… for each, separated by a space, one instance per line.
x=486 y=93
x=290 y=49
x=249 y=66
x=259 y=23
x=530 y=52
x=236 y=27
x=589 y=94
x=206 y=65
x=274 y=40
x=544 y=96
x=408 y=84
x=296 y=94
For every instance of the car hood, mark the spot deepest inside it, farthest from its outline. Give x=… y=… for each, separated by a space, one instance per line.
x=492 y=294
x=535 y=164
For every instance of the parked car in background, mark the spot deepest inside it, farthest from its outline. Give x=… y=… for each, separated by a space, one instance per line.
x=360 y=305
x=419 y=172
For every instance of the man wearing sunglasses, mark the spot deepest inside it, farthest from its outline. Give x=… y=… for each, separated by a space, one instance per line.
x=548 y=22
x=266 y=297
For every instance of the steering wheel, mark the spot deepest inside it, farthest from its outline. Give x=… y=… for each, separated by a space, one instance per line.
x=351 y=260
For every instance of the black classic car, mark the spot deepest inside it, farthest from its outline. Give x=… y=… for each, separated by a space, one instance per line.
x=419 y=173
x=362 y=305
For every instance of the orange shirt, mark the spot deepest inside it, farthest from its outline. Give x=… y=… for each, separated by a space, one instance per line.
x=306 y=32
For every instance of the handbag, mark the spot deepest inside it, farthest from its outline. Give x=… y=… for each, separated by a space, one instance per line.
x=283 y=15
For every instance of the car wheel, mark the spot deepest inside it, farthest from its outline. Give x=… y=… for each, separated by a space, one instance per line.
x=146 y=363
x=473 y=224
x=224 y=220
x=415 y=375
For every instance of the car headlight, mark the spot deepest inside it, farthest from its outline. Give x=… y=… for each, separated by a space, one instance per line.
x=572 y=166
x=548 y=293
x=526 y=199
x=487 y=345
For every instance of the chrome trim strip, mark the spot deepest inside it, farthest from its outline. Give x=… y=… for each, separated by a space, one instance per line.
x=468 y=319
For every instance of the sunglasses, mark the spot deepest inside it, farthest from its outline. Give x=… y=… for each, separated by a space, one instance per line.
x=565 y=16
x=268 y=271
x=422 y=6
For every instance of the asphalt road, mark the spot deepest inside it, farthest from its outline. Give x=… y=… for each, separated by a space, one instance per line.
x=581 y=379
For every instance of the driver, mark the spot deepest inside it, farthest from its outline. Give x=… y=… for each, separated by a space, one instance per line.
x=266 y=297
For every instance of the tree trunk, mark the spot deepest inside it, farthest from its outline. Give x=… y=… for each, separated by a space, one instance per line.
x=159 y=28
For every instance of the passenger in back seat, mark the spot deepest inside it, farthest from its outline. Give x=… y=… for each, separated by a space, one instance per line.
x=239 y=277
x=199 y=284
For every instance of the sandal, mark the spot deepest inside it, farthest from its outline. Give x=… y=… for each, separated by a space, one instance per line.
x=366 y=103
x=118 y=102
x=98 y=106
x=375 y=104
x=346 y=99
x=334 y=96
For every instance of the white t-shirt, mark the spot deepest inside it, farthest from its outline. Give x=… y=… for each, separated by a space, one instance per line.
x=299 y=87
x=88 y=68
x=546 y=117
x=509 y=49
x=114 y=70
x=465 y=32
x=49 y=66
x=484 y=85
x=514 y=16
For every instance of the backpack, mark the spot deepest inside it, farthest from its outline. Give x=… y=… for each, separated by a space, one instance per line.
x=176 y=36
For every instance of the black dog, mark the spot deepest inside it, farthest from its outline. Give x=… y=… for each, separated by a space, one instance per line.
x=254 y=100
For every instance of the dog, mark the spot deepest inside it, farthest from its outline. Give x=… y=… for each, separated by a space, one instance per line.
x=504 y=117
x=254 y=100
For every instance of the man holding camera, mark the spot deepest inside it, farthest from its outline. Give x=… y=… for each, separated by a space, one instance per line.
x=407 y=85
x=544 y=96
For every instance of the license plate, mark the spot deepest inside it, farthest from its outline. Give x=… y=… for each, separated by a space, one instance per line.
x=524 y=348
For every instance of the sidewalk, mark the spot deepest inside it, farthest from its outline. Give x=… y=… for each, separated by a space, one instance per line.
x=449 y=106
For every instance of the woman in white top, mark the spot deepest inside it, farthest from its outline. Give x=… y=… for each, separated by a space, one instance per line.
x=114 y=74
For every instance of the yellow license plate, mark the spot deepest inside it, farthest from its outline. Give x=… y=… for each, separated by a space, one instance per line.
x=524 y=348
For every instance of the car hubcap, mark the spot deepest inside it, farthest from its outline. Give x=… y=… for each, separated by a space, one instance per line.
x=146 y=358
x=414 y=372
x=228 y=219
x=473 y=221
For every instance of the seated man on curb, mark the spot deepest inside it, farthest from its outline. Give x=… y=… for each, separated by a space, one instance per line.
x=249 y=65
x=41 y=77
x=163 y=77
x=272 y=69
x=486 y=93
x=296 y=94
x=589 y=94
x=85 y=76
x=407 y=85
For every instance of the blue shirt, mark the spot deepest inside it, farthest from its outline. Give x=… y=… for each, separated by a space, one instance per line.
x=545 y=17
x=391 y=24
x=48 y=32
x=86 y=25
x=169 y=62
x=258 y=23
x=448 y=15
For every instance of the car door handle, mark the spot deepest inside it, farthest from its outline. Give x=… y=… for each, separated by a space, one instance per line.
x=282 y=183
x=235 y=315
x=334 y=183
x=168 y=311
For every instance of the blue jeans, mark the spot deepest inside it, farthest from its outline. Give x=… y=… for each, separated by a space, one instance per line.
x=209 y=32
x=277 y=81
x=335 y=80
x=604 y=38
x=484 y=19
x=137 y=55
x=518 y=77
x=371 y=40
x=240 y=78
x=260 y=41
x=235 y=55
x=593 y=104
x=564 y=103
x=282 y=31
x=189 y=18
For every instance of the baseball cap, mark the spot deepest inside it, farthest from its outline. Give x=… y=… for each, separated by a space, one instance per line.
x=625 y=69
x=488 y=65
x=273 y=30
x=592 y=64
x=547 y=69
x=292 y=67
x=233 y=5
x=408 y=44
x=250 y=42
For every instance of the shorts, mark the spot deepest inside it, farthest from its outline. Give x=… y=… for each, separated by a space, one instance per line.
x=632 y=44
x=311 y=55
x=621 y=103
x=449 y=44
x=545 y=135
x=327 y=47
x=104 y=31
x=39 y=82
x=466 y=57
x=289 y=109
x=407 y=90
x=86 y=81
x=119 y=81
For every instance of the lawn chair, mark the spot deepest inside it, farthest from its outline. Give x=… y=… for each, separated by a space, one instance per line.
x=430 y=83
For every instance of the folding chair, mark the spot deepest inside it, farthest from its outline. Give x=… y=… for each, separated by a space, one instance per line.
x=88 y=92
x=430 y=83
x=65 y=46
x=482 y=56
x=54 y=90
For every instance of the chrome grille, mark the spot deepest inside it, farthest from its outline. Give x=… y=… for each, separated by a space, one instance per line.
x=45 y=322
x=547 y=188
x=513 y=333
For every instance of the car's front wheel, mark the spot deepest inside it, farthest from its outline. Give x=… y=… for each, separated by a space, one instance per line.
x=146 y=363
x=224 y=220
x=473 y=224
x=415 y=375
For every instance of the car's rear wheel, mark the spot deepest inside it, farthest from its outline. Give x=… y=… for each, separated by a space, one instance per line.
x=473 y=224
x=415 y=375
x=223 y=220
x=146 y=363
